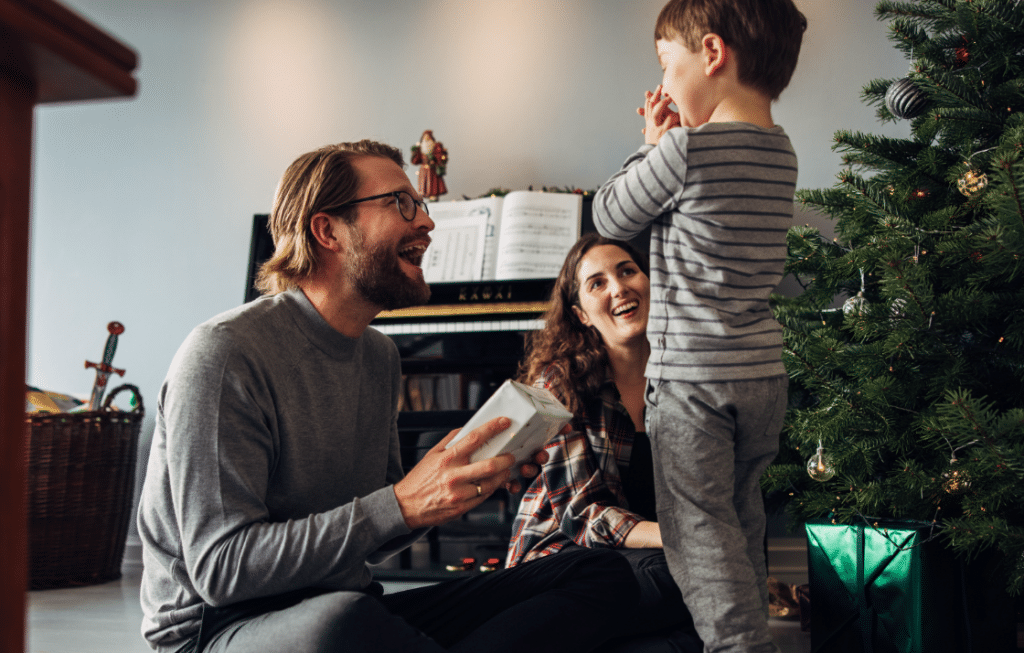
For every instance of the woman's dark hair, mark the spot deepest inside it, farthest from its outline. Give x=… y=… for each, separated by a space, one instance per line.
x=570 y=354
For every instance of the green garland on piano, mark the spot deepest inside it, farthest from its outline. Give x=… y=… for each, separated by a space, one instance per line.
x=502 y=192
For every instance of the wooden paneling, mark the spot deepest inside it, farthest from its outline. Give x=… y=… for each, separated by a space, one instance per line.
x=47 y=54
x=16 y=100
x=62 y=55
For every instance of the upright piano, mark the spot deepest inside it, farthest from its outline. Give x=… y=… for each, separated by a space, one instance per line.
x=456 y=350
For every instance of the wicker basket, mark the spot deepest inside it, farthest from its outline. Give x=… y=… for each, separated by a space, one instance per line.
x=81 y=480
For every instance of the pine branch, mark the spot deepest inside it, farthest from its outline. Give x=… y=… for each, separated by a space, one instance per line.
x=882 y=206
x=911 y=39
x=890 y=9
x=947 y=90
x=1009 y=16
x=969 y=410
x=897 y=151
x=1010 y=170
x=917 y=308
x=874 y=92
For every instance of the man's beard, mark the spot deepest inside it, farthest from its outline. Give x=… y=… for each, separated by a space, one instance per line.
x=378 y=277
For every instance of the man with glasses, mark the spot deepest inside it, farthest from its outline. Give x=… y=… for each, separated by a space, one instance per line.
x=275 y=479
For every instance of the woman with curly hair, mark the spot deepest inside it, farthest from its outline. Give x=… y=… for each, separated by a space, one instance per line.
x=597 y=488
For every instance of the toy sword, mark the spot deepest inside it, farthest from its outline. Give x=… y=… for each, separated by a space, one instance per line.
x=104 y=369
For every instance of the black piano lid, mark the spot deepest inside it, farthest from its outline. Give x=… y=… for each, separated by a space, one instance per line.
x=520 y=295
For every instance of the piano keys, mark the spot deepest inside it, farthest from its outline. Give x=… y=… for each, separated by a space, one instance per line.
x=472 y=307
x=484 y=326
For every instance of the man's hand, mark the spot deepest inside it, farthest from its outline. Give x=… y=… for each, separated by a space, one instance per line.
x=531 y=470
x=444 y=485
x=658 y=117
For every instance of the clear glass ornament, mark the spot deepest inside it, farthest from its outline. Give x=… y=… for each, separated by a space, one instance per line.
x=854 y=304
x=820 y=467
x=896 y=310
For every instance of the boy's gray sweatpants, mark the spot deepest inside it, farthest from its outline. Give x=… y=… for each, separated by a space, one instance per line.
x=711 y=443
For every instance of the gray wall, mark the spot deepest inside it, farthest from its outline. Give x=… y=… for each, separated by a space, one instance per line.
x=142 y=208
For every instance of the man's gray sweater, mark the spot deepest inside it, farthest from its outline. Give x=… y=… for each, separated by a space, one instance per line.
x=272 y=464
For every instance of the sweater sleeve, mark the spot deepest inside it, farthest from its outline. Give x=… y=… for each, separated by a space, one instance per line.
x=585 y=507
x=394 y=475
x=649 y=184
x=222 y=450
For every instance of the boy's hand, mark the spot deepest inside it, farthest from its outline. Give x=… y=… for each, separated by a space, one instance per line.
x=659 y=118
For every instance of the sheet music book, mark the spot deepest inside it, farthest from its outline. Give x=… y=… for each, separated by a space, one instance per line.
x=524 y=235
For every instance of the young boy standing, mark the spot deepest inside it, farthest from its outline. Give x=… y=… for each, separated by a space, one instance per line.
x=715 y=180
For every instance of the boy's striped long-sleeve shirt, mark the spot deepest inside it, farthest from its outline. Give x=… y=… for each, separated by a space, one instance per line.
x=719 y=199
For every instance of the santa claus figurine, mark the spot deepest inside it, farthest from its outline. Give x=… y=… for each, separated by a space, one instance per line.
x=432 y=159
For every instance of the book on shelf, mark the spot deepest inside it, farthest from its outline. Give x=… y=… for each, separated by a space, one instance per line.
x=430 y=392
x=523 y=235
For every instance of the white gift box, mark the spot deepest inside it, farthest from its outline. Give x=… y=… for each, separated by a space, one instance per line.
x=536 y=416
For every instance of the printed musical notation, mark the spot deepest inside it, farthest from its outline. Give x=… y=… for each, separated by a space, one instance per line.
x=535 y=236
x=524 y=235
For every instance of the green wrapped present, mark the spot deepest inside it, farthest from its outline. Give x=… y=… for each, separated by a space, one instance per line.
x=889 y=586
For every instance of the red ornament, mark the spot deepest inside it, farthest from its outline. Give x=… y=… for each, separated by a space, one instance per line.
x=963 y=55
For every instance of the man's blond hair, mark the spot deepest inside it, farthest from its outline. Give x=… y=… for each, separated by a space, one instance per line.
x=316 y=182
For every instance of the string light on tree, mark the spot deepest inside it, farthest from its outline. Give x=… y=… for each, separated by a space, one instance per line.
x=820 y=466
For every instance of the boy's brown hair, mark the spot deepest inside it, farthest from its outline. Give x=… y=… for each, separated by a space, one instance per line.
x=765 y=34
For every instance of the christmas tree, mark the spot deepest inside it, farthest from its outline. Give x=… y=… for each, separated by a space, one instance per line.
x=906 y=348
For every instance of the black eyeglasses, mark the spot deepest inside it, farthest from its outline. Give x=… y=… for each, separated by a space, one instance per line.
x=406 y=203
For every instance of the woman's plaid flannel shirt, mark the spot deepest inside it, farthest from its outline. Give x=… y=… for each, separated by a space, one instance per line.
x=578 y=495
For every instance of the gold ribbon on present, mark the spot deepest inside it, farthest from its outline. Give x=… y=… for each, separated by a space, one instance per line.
x=782 y=600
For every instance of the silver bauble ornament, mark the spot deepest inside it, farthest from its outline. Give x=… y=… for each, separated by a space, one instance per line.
x=904 y=99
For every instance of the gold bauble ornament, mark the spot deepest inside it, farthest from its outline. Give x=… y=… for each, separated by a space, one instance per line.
x=956 y=481
x=972 y=182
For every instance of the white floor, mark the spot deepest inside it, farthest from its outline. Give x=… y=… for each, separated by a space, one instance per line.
x=105 y=619
x=95 y=619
